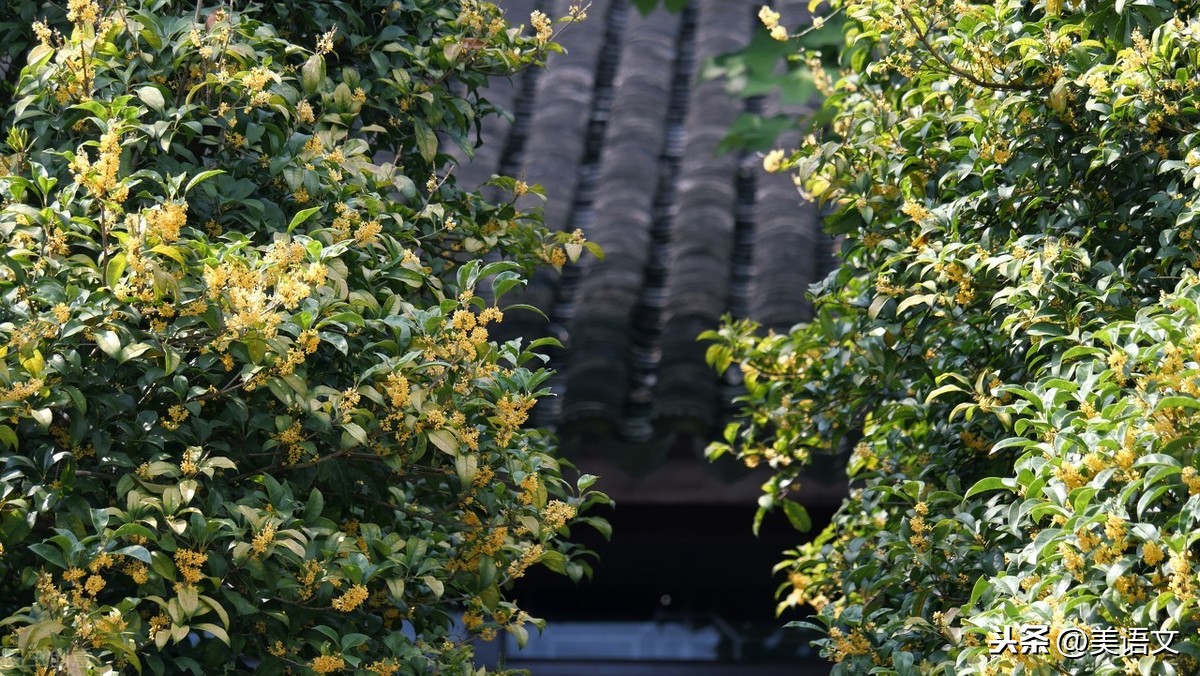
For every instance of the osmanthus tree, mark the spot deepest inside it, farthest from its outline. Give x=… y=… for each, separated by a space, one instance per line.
x=1010 y=345
x=250 y=415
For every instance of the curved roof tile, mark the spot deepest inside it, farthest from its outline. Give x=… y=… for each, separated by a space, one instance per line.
x=623 y=136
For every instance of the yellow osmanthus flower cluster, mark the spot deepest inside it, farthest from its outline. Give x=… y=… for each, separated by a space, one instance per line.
x=176 y=414
x=918 y=212
x=137 y=571
x=770 y=19
x=158 y=624
x=472 y=618
x=262 y=540
x=557 y=514
x=531 y=555
x=801 y=592
x=475 y=546
x=541 y=26
x=325 y=42
x=189 y=464
x=62 y=313
x=920 y=528
x=352 y=599
x=21 y=391
x=327 y=664
x=956 y=273
x=1183 y=583
x=306 y=345
x=349 y=223
x=398 y=394
x=100 y=177
x=1131 y=587
x=309 y=579
x=884 y=285
x=290 y=439
x=844 y=645
x=83 y=12
x=164 y=221
x=997 y=150
x=1075 y=474
x=1190 y=480
x=973 y=441
x=256 y=81
x=383 y=667
x=529 y=489
x=773 y=161
x=347 y=403
x=255 y=295
x=45 y=35
x=512 y=414
x=189 y=561
x=1152 y=554
x=1072 y=560
x=472 y=17
x=304 y=113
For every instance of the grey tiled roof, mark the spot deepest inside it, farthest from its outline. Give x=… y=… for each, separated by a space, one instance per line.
x=622 y=134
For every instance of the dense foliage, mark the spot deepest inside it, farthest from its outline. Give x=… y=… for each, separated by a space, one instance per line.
x=1010 y=344
x=250 y=415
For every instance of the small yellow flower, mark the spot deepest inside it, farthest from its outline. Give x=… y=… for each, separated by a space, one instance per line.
x=263 y=539
x=352 y=599
x=768 y=17
x=1152 y=554
x=773 y=161
x=137 y=572
x=43 y=33
x=325 y=44
x=541 y=24
x=94 y=584
x=304 y=113
x=327 y=664
x=83 y=11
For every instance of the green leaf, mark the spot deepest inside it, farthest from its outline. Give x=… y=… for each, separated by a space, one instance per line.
x=466 y=465
x=944 y=389
x=43 y=416
x=315 y=506
x=519 y=632
x=1177 y=402
x=50 y=553
x=555 y=561
x=31 y=637
x=189 y=600
x=114 y=269
x=160 y=563
x=213 y=629
x=152 y=97
x=982 y=585
x=302 y=216
x=312 y=74
x=109 y=343
x=435 y=585
x=427 y=142
x=991 y=483
x=797 y=515
x=8 y=437
x=202 y=177
x=444 y=440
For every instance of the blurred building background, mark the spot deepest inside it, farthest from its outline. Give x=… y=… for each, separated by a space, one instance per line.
x=623 y=134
